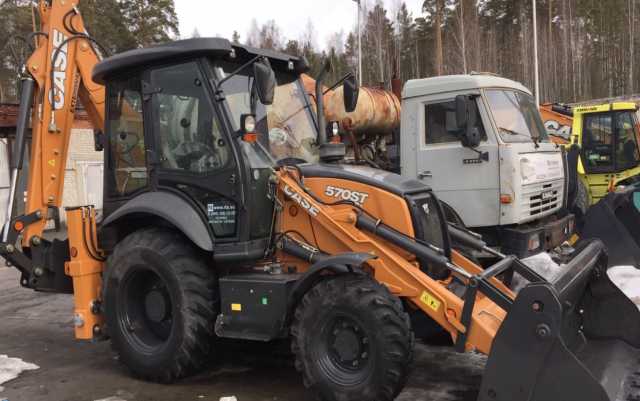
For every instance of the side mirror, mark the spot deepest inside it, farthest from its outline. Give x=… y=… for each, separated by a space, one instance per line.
x=466 y=118
x=351 y=90
x=265 y=81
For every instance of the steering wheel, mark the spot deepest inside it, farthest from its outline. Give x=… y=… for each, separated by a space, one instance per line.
x=188 y=152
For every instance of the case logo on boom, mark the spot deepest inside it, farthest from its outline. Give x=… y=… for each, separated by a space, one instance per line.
x=57 y=95
x=345 y=194
x=311 y=209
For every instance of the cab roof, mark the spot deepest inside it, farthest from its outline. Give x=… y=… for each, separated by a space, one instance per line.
x=600 y=108
x=192 y=48
x=458 y=83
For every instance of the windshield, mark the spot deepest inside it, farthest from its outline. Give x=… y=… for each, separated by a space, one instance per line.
x=286 y=129
x=516 y=115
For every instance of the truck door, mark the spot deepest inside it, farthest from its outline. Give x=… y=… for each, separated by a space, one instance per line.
x=460 y=177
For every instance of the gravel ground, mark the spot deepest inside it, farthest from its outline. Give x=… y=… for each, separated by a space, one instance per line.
x=37 y=329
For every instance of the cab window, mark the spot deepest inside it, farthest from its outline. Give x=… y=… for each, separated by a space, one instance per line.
x=627 y=155
x=597 y=142
x=125 y=130
x=190 y=135
x=441 y=125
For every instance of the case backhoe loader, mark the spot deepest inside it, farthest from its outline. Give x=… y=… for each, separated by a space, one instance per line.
x=214 y=228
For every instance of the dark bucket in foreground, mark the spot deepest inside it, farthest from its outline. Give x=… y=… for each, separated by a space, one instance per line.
x=576 y=339
x=615 y=220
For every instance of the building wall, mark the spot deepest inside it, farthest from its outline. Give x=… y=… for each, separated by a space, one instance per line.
x=83 y=173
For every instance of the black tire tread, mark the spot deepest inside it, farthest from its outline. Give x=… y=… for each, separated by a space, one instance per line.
x=199 y=286
x=386 y=308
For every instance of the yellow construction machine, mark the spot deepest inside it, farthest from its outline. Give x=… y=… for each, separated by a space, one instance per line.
x=604 y=159
x=228 y=214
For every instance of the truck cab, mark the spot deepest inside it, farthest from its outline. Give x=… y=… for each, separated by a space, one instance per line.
x=511 y=187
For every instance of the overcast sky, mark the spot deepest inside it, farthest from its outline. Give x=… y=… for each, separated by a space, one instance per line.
x=222 y=17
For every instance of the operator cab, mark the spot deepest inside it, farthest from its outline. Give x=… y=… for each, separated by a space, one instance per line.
x=610 y=138
x=177 y=116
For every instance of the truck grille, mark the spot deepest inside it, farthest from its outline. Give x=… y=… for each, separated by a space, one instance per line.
x=542 y=199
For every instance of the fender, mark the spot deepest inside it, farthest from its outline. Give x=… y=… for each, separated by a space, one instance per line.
x=172 y=208
x=343 y=263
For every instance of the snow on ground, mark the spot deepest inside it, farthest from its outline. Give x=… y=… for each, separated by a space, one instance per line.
x=627 y=278
x=10 y=368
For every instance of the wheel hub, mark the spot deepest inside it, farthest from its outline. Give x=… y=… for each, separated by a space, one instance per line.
x=155 y=304
x=348 y=344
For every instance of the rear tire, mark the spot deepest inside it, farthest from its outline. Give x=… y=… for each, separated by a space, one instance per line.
x=352 y=340
x=160 y=304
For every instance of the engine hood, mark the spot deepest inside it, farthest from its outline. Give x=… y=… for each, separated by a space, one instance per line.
x=391 y=182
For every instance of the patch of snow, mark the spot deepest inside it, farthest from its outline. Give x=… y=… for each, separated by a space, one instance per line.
x=10 y=368
x=627 y=278
x=542 y=264
x=232 y=398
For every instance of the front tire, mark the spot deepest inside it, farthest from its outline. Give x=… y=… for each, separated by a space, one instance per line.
x=160 y=304
x=352 y=340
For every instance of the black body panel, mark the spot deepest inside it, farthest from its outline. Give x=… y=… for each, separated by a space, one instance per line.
x=173 y=209
x=253 y=306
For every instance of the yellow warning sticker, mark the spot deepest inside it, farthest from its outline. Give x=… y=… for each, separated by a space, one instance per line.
x=430 y=301
x=236 y=307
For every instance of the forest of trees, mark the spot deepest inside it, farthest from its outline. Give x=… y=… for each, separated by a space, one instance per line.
x=586 y=47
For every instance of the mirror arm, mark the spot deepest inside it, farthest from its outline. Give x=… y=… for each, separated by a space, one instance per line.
x=340 y=81
x=234 y=73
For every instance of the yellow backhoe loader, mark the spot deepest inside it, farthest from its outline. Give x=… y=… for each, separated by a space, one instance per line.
x=227 y=214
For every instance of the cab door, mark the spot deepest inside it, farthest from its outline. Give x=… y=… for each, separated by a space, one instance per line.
x=192 y=153
x=458 y=175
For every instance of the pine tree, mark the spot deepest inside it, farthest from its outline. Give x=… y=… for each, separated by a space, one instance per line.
x=151 y=21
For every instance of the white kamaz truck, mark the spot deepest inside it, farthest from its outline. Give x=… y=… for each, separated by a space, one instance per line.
x=479 y=142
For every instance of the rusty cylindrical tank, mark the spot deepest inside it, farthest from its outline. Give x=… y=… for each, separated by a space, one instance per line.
x=377 y=112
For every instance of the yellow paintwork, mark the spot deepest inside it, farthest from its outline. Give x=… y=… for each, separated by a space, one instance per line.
x=598 y=184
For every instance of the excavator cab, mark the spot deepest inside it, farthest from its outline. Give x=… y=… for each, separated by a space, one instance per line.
x=204 y=131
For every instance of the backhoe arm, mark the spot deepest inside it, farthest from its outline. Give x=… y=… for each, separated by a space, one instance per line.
x=55 y=77
x=61 y=67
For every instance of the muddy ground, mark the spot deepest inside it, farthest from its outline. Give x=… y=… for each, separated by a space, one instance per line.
x=38 y=329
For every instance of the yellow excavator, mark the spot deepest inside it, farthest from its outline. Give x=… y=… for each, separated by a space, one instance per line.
x=228 y=214
x=604 y=162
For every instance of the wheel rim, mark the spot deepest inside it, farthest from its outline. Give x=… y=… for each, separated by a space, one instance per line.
x=146 y=310
x=343 y=353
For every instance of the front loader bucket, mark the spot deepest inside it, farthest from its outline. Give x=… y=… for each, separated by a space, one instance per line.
x=576 y=339
x=615 y=220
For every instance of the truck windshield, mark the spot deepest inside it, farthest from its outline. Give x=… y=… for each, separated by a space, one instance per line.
x=286 y=128
x=516 y=115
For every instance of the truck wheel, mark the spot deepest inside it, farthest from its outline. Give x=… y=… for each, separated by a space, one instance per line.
x=352 y=340
x=581 y=204
x=161 y=301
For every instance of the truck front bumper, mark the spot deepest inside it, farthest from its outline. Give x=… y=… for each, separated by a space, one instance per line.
x=524 y=241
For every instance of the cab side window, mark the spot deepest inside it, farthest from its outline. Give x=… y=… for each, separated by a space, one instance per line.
x=597 y=141
x=190 y=134
x=125 y=130
x=441 y=126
